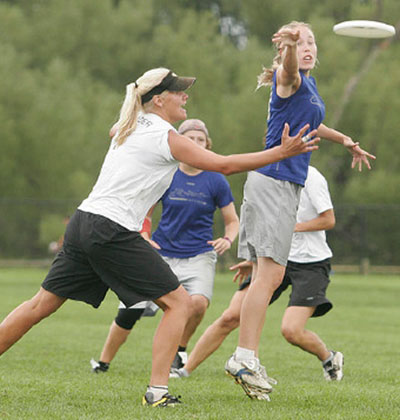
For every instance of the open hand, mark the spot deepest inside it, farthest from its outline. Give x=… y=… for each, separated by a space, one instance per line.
x=243 y=268
x=298 y=144
x=359 y=155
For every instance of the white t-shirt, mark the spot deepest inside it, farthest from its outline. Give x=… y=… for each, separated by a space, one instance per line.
x=134 y=175
x=314 y=199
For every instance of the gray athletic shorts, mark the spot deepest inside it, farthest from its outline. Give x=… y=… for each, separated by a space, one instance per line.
x=267 y=218
x=195 y=274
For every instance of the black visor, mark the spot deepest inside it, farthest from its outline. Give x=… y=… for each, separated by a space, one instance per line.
x=171 y=82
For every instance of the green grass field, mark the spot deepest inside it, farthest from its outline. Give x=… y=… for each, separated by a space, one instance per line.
x=47 y=374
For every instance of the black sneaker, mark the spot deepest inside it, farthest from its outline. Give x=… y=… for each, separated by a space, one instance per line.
x=164 y=401
x=99 y=367
x=179 y=360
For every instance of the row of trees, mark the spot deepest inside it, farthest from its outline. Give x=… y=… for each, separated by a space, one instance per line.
x=65 y=64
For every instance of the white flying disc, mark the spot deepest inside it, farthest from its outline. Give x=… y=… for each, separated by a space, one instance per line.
x=364 y=29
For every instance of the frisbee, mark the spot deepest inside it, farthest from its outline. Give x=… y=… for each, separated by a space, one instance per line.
x=364 y=29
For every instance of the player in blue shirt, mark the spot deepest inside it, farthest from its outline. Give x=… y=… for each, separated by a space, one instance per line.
x=271 y=194
x=184 y=237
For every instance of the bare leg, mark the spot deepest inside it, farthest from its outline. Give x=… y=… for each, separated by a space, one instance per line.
x=116 y=337
x=268 y=277
x=169 y=332
x=293 y=329
x=198 y=307
x=25 y=316
x=216 y=333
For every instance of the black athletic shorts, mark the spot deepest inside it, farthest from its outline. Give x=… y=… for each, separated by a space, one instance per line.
x=99 y=254
x=309 y=283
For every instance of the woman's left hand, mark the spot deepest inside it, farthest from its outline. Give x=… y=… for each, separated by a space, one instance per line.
x=220 y=245
x=359 y=155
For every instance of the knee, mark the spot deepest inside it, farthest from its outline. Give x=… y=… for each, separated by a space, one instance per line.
x=127 y=318
x=268 y=284
x=198 y=306
x=43 y=305
x=291 y=334
x=230 y=320
x=177 y=301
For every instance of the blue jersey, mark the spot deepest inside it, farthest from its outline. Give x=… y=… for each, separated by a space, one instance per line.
x=304 y=106
x=188 y=208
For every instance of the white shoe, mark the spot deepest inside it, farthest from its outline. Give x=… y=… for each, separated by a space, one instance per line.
x=257 y=395
x=178 y=373
x=270 y=380
x=333 y=370
x=249 y=375
x=99 y=367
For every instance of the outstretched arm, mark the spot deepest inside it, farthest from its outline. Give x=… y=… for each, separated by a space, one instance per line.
x=359 y=155
x=190 y=153
x=288 y=76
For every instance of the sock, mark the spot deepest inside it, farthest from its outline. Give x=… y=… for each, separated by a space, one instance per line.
x=184 y=372
x=244 y=354
x=324 y=362
x=158 y=391
x=181 y=348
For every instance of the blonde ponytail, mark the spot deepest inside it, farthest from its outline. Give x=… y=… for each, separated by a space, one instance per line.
x=128 y=114
x=265 y=78
x=133 y=102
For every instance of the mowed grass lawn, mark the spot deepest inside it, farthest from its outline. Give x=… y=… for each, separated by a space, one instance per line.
x=47 y=374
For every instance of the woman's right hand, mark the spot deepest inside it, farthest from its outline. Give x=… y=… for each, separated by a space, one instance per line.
x=292 y=146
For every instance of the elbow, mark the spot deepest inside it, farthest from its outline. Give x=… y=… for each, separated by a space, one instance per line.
x=330 y=226
x=331 y=223
x=229 y=165
x=227 y=169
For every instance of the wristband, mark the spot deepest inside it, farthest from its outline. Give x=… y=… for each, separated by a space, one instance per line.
x=146 y=227
x=228 y=239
